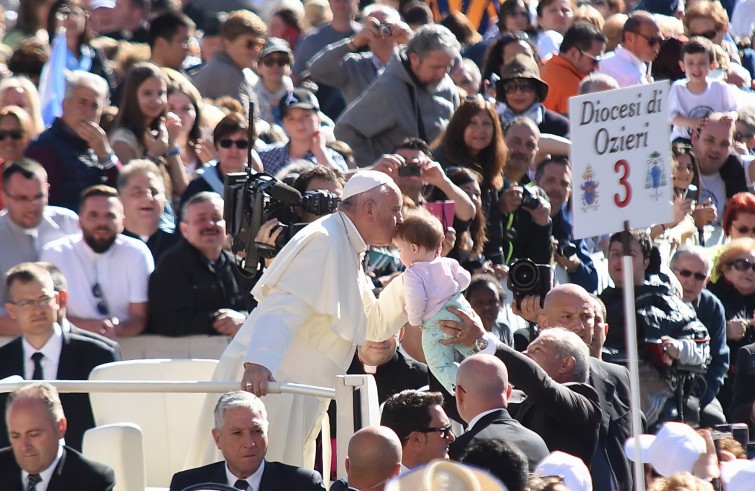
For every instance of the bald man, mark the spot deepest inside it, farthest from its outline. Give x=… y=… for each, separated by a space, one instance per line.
x=570 y=306
x=482 y=393
x=374 y=457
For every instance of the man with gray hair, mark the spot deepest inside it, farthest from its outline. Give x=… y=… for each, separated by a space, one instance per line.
x=74 y=150
x=346 y=66
x=597 y=82
x=692 y=266
x=421 y=93
x=241 y=434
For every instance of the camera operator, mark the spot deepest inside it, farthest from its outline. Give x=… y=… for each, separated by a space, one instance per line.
x=553 y=175
x=322 y=184
x=523 y=208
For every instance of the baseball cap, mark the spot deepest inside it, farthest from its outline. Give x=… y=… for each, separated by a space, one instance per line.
x=275 y=45
x=674 y=449
x=575 y=473
x=363 y=181
x=301 y=98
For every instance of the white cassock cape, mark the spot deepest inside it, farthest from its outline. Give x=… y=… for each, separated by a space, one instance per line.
x=315 y=305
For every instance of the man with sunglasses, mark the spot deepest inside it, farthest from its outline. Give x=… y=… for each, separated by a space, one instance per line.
x=691 y=266
x=107 y=272
x=422 y=426
x=641 y=41
x=27 y=223
x=44 y=351
x=580 y=53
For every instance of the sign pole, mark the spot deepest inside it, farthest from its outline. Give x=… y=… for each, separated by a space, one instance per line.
x=630 y=323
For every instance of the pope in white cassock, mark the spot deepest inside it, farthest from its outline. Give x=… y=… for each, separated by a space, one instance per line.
x=315 y=305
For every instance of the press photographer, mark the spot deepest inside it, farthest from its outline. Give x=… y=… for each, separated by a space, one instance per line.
x=523 y=209
x=574 y=264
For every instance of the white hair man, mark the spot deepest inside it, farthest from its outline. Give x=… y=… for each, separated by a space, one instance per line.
x=241 y=434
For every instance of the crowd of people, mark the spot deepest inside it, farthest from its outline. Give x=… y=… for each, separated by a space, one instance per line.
x=420 y=176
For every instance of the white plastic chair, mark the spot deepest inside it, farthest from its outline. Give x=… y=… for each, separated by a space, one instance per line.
x=119 y=446
x=167 y=421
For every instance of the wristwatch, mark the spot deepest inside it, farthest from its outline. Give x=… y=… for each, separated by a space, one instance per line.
x=480 y=344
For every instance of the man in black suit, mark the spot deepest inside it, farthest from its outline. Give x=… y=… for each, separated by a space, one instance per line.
x=44 y=350
x=241 y=435
x=36 y=459
x=374 y=457
x=570 y=306
x=560 y=406
x=482 y=393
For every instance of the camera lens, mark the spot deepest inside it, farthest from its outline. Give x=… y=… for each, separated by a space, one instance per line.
x=523 y=275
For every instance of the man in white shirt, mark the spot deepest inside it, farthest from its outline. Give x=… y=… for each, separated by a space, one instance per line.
x=27 y=223
x=641 y=41
x=107 y=272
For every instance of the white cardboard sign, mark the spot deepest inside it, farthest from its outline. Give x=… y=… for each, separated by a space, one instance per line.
x=621 y=159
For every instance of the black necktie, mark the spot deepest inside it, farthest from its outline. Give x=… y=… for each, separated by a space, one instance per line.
x=38 y=373
x=33 y=479
x=241 y=484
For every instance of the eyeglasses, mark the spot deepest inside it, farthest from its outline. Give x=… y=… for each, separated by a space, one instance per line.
x=738 y=136
x=595 y=59
x=707 y=34
x=511 y=87
x=12 y=134
x=102 y=307
x=42 y=301
x=255 y=43
x=686 y=273
x=652 y=41
x=28 y=199
x=280 y=61
x=745 y=230
x=444 y=431
x=742 y=265
x=240 y=144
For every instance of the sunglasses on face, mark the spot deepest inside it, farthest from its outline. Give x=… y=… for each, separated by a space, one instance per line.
x=512 y=87
x=270 y=61
x=444 y=431
x=595 y=59
x=652 y=40
x=742 y=265
x=240 y=144
x=742 y=137
x=686 y=273
x=13 y=134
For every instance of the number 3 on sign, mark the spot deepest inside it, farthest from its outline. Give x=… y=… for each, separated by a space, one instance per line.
x=622 y=167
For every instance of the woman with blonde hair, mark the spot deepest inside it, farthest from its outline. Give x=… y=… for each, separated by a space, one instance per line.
x=21 y=92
